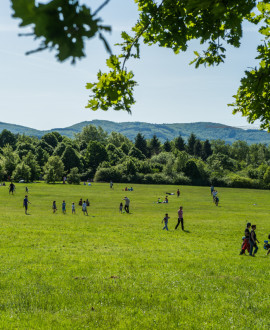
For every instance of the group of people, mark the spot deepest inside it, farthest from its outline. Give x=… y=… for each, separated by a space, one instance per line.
x=126 y=207
x=180 y=219
x=250 y=241
x=84 y=205
x=159 y=201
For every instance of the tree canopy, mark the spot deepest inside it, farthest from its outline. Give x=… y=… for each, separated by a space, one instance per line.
x=65 y=25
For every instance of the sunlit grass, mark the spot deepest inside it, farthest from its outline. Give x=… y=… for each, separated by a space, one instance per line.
x=122 y=271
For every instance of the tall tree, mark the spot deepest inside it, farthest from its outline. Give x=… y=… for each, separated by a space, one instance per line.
x=179 y=143
x=141 y=144
x=6 y=137
x=206 y=150
x=190 y=144
x=197 y=148
x=53 y=169
x=154 y=145
x=167 y=146
x=95 y=154
x=71 y=159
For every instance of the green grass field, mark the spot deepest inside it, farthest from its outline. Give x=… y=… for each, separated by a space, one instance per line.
x=122 y=271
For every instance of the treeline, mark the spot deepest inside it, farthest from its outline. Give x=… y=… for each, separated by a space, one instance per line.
x=93 y=154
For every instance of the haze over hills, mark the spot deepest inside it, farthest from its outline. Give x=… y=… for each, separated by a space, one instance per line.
x=203 y=130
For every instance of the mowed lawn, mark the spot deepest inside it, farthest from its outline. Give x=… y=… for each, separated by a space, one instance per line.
x=122 y=271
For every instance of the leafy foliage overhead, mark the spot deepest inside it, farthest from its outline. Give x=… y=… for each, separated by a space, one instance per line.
x=64 y=25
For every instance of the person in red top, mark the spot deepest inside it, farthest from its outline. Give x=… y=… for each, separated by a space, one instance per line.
x=180 y=218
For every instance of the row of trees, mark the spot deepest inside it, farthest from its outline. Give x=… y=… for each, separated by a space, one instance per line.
x=94 y=154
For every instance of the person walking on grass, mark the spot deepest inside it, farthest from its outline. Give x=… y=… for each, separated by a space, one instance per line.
x=64 y=207
x=121 y=207
x=84 y=208
x=11 y=188
x=245 y=245
x=180 y=218
x=73 y=208
x=25 y=203
x=54 y=206
x=165 y=220
x=178 y=193
x=253 y=242
x=127 y=202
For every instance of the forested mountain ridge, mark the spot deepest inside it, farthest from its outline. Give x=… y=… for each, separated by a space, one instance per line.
x=203 y=130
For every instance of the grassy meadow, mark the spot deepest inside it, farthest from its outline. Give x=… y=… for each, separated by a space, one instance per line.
x=122 y=271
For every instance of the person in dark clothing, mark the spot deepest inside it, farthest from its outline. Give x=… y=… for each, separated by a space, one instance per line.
x=25 y=203
x=253 y=242
x=180 y=218
x=11 y=188
x=245 y=245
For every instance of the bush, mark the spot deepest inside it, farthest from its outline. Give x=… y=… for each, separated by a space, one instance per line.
x=74 y=176
x=108 y=174
x=236 y=181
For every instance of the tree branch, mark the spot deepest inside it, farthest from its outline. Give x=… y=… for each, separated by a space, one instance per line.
x=101 y=6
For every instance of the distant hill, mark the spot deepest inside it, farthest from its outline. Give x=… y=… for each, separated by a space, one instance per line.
x=210 y=131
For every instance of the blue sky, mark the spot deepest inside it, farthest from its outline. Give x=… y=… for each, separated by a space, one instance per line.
x=37 y=91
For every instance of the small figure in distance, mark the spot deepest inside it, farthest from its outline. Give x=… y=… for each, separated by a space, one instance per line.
x=178 y=193
x=159 y=201
x=80 y=202
x=126 y=189
x=73 y=208
x=212 y=189
x=267 y=246
x=84 y=208
x=253 y=241
x=87 y=202
x=214 y=195
x=245 y=245
x=127 y=200
x=111 y=184
x=121 y=207
x=26 y=190
x=166 y=200
x=84 y=183
x=64 y=207
x=217 y=200
x=11 y=188
x=54 y=206
x=165 y=220
x=25 y=203
x=180 y=218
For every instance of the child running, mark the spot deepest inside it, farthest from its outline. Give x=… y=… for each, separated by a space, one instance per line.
x=165 y=220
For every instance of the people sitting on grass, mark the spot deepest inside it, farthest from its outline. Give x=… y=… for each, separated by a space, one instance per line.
x=245 y=245
x=166 y=200
x=253 y=242
x=159 y=201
